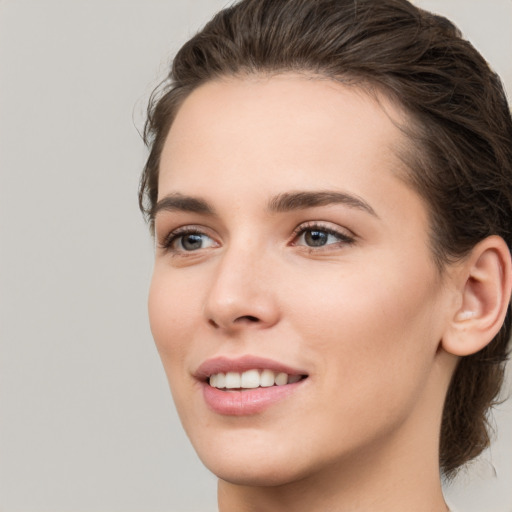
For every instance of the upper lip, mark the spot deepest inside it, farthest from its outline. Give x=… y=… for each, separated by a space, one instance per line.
x=224 y=364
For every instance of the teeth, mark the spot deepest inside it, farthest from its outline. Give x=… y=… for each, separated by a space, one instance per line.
x=267 y=378
x=251 y=379
x=281 y=379
x=221 y=380
x=233 y=380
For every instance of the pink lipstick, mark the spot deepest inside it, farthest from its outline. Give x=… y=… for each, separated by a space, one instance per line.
x=246 y=385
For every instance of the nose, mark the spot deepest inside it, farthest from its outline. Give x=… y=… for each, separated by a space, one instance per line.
x=242 y=293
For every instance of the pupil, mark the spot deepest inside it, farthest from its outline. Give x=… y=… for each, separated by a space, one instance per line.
x=316 y=238
x=191 y=242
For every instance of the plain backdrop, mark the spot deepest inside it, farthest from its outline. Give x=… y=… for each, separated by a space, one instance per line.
x=86 y=419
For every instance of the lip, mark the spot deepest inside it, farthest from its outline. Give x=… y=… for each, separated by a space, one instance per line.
x=248 y=401
x=241 y=364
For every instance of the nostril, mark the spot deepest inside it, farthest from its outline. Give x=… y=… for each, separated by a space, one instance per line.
x=245 y=319
x=248 y=318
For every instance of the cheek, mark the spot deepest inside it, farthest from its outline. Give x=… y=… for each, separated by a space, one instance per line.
x=375 y=333
x=170 y=317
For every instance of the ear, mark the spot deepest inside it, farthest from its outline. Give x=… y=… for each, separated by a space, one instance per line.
x=484 y=284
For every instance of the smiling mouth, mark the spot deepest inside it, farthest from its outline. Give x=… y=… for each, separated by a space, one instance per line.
x=252 y=379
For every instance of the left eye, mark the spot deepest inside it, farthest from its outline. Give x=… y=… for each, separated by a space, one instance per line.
x=192 y=242
x=319 y=237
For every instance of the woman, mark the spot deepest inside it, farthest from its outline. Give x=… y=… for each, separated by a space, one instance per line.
x=330 y=188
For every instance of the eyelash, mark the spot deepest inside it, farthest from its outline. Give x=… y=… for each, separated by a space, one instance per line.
x=175 y=235
x=179 y=233
x=343 y=238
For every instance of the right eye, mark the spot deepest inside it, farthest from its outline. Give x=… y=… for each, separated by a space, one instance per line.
x=188 y=240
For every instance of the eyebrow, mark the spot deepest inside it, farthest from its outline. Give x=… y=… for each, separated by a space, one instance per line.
x=179 y=202
x=290 y=201
x=285 y=202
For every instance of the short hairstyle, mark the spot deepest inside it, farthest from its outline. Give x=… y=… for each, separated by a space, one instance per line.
x=459 y=130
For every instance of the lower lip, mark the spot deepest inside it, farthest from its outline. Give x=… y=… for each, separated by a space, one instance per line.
x=248 y=401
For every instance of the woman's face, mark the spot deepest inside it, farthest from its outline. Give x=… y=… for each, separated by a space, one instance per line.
x=290 y=251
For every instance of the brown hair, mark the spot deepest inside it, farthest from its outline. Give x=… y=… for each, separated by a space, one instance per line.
x=460 y=129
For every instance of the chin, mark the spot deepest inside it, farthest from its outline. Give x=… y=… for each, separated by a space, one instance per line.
x=251 y=464
x=265 y=473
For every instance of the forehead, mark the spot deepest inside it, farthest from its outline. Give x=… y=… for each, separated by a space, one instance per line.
x=286 y=127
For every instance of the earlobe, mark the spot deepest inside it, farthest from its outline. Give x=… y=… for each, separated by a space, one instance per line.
x=485 y=283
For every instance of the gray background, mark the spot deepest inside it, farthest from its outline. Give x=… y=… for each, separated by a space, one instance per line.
x=86 y=421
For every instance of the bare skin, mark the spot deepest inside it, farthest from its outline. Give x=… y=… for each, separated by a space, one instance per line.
x=342 y=288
